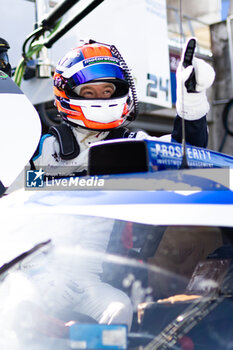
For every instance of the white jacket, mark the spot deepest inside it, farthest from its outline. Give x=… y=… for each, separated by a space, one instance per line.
x=49 y=159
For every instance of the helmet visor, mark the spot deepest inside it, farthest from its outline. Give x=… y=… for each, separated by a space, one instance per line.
x=98 y=71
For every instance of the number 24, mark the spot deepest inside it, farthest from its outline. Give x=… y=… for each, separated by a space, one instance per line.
x=153 y=88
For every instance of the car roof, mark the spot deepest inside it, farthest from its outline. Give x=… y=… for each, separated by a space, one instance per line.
x=176 y=197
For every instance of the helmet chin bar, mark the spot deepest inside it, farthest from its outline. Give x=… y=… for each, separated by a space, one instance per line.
x=99 y=114
x=100 y=128
x=101 y=110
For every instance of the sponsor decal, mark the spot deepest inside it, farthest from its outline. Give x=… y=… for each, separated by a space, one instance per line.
x=100 y=59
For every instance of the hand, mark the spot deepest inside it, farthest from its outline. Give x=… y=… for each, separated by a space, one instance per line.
x=193 y=77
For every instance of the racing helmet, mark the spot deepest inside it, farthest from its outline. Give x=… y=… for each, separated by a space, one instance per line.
x=94 y=63
x=4 y=60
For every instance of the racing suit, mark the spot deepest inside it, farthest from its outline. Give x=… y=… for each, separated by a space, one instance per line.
x=49 y=150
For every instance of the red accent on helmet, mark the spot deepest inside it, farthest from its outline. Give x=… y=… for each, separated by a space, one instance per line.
x=94 y=50
x=77 y=114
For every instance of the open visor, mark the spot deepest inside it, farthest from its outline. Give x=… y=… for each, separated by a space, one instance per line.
x=121 y=88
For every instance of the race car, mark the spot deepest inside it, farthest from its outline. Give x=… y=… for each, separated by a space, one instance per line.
x=160 y=239
x=169 y=250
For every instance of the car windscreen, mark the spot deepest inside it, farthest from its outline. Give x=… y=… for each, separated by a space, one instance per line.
x=168 y=285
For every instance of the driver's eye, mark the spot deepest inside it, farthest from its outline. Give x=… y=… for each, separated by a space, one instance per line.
x=108 y=92
x=87 y=94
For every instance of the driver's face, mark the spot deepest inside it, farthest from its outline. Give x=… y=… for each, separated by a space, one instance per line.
x=102 y=90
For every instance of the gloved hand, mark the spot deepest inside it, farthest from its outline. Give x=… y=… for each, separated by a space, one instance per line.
x=193 y=105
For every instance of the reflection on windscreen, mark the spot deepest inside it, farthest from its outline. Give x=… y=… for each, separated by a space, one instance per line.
x=106 y=271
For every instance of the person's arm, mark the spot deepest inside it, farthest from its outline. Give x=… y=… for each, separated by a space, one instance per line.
x=192 y=106
x=43 y=153
x=196 y=131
